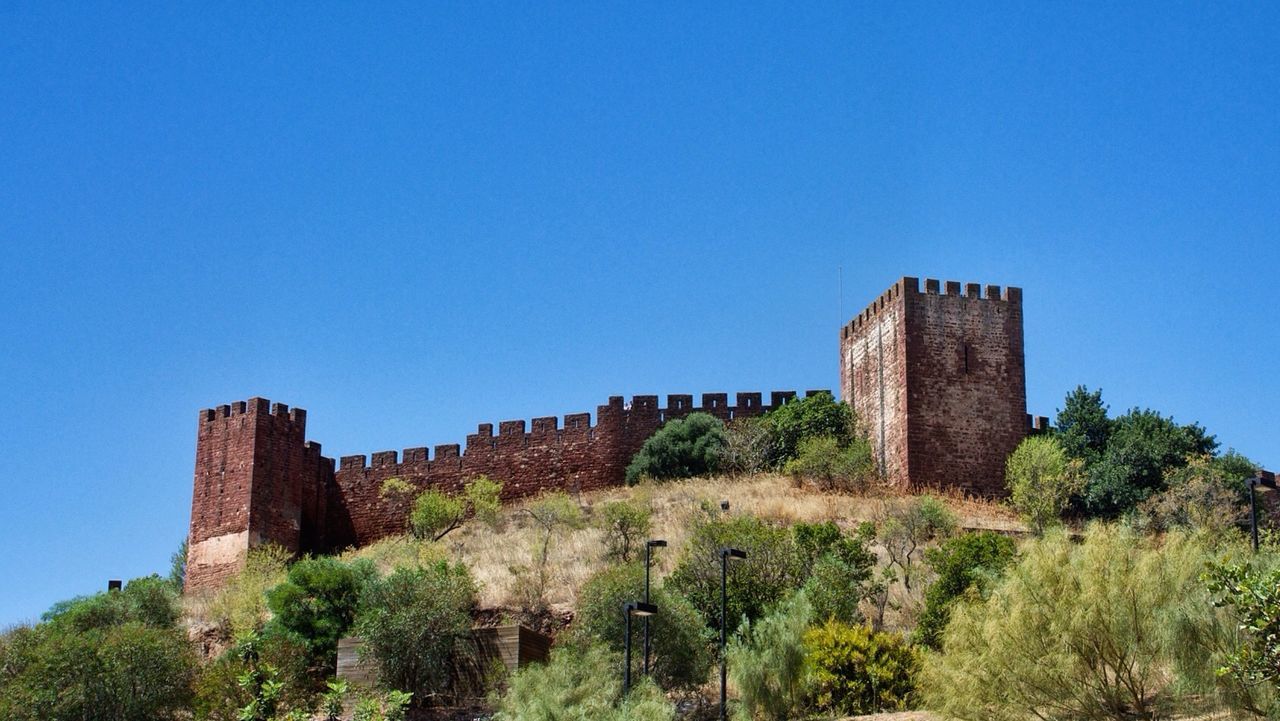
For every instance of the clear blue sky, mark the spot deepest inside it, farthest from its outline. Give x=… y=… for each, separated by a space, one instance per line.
x=409 y=220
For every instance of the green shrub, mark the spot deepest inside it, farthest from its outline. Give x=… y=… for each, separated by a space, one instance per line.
x=316 y=604
x=240 y=606
x=411 y=622
x=815 y=416
x=854 y=670
x=682 y=448
x=1074 y=631
x=234 y=681
x=150 y=601
x=581 y=683
x=970 y=561
x=840 y=570
x=1244 y=648
x=766 y=661
x=908 y=526
x=435 y=513
x=823 y=461
x=126 y=671
x=680 y=641
x=1207 y=494
x=626 y=528
x=771 y=570
x=1042 y=481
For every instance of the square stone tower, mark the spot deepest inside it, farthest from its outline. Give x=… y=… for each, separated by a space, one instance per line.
x=938 y=381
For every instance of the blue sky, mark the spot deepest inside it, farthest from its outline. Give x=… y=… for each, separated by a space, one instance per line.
x=411 y=219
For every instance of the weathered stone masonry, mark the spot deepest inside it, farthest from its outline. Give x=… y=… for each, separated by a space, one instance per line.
x=936 y=377
x=259 y=480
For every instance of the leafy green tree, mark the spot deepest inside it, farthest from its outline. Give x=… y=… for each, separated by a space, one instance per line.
x=680 y=640
x=581 y=683
x=317 y=603
x=854 y=670
x=1042 y=481
x=770 y=570
x=970 y=562
x=411 y=622
x=682 y=448
x=840 y=570
x=626 y=528
x=150 y=601
x=910 y=524
x=1142 y=447
x=1075 y=631
x=767 y=661
x=1083 y=426
x=436 y=514
x=814 y=416
x=832 y=467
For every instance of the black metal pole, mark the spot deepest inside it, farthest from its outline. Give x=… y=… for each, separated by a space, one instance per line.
x=1253 y=512
x=626 y=665
x=724 y=669
x=647 y=549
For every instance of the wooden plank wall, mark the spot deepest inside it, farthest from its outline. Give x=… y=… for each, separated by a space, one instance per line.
x=514 y=646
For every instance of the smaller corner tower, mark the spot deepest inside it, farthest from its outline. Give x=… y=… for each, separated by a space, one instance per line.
x=257 y=481
x=938 y=381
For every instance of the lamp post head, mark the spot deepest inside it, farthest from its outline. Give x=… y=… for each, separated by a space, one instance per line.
x=724 y=505
x=732 y=553
x=639 y=608
x=656 y=543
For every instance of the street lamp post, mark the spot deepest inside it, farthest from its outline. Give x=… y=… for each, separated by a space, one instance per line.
x=648 y=549
x=725 y=555
x=629 y=609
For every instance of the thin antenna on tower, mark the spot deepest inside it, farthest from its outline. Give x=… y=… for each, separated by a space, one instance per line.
x=840 y=303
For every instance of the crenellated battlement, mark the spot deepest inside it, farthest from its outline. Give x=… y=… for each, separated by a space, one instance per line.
x=909 y=286
x=254 y=407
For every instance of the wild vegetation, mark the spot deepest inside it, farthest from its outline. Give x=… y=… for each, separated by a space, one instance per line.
x=1114 y=583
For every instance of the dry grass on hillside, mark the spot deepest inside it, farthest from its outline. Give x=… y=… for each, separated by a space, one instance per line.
x=493 y=555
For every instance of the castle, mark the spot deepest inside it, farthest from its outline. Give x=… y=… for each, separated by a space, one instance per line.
x=936 y=377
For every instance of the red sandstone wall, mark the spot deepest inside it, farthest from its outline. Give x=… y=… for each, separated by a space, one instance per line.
x=873 y=379
x=937 y=379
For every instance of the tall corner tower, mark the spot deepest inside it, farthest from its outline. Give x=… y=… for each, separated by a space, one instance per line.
x=257 y=481
x=938 y=381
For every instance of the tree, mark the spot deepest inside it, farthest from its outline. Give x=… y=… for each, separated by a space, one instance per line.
x=436 y=514
x=551 y=514
x=767 y=661
x=680 y=640
x=908 y=525
x=626 y=527
x=1075 y=631
x=1142 y=446
x=1042 y=481
x=840 y=570
x=178 y=567
x=682 y=448
x=749 y=446
x=411 y=622
x=1083 y=426
x=823 y=461
x=317 y=603
x=770 y=570
x=964 y=563
x=1206 y=494
x=581 y=683
x=854 y=670
x=814 y=416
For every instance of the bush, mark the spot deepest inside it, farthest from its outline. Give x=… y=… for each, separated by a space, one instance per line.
x=840 y=570
x=317 y=604
x=854 y=670
x=1207 y=494
x=767 y=661
x=679 y=638
x=815 y=416
x=435 y=513
x=411 y=622
x=682 y=448
x=1074 y=631
x=552 y=514
x=971 y=561
x=1042 y=481
x=111 y=657
x=749 y=446
x=908 y=525
x=771 y=569
x=236 y=679
x=581 y=683
x=240 y=606
x=822 y=461
x=626 y=528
